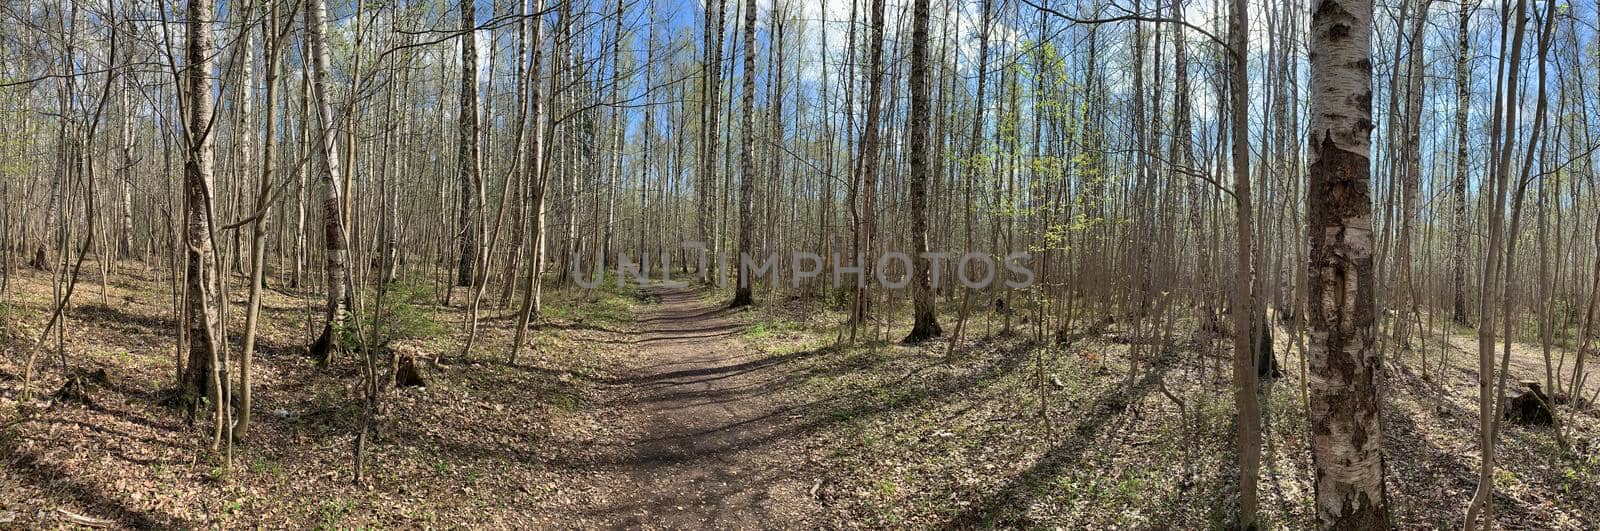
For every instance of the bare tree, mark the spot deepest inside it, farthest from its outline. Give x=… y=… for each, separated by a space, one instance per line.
x=1244 y=301
x=1347 y=436
x=710 y=95
x=258 y=219
x=742 y=293
x=533 y=173
x=925 y=321
x=336 y=243
x=867 y=164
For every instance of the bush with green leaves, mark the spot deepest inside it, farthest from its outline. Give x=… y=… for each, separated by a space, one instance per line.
x=403 y=312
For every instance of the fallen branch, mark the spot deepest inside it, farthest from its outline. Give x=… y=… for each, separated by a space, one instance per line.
x=84 y=520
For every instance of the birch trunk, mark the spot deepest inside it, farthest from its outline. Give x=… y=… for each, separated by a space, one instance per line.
x=534 y=173
x=1347 y=436
x=336 y=245
x=205 y=323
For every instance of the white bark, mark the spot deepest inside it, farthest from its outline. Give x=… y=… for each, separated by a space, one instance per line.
x=1346 y=434
x=336 y=245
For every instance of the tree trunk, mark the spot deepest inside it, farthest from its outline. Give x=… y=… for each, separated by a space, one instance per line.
x=711 y=94
x=1244 y=361
x=124 y=169
x=925 y=323
x=867 y=165
x=533 y=168
x=1460 y=225
x=1347 y=435
x=258 y=227
x=471 y=221
x=618 y=135
x=1405 y=303
x=1502 y=135
x=742 y=293
x=336 y=244
x=202 y=377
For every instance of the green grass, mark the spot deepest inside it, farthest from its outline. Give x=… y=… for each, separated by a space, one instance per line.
x=263 y=466
x=562 y=400
x=769 y=328
x=332 y=512
x=610 y=303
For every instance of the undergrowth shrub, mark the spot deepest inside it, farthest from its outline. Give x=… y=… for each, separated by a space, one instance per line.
x=405 y=312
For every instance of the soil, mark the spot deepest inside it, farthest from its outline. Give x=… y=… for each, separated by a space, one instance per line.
x=705 y=447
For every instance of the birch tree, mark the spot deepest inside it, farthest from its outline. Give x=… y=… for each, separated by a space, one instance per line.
x=203 y=377
x=336 y=245
x=1346 y=433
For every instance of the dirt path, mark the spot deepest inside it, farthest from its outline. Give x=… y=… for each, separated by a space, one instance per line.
x=709 y=446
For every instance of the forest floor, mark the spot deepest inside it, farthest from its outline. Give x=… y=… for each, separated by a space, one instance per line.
x=659 y=408
x=1016 y=430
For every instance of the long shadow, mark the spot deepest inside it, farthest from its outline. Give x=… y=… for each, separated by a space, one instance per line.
x=118 y=319
x=691 y=398
x=689 y=334
x=108 y=433
x=784 y=375
x=718 y=488
x=123 y=392
x=684 y=335
x=131 y=417
x=273 y=350
x=711 y=327
x=51 y=478
x=547 y=371
x=689 y=376
x=581 y=325
x=647 y=377
x=510 y=443
x=1440 y=463
x=1439 y=468
x=1000 y=505
x=461 y=445
x=669 y=317
x=789 y=422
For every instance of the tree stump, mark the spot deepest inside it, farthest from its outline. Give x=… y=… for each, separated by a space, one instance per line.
x=76 y=388
x=408 y=371
x=1266 y=361
x=1530 y=407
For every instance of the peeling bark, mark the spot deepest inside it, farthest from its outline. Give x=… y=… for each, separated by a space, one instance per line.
x=1347 y=435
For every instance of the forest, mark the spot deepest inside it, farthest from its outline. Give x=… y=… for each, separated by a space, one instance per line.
x=735 y=264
